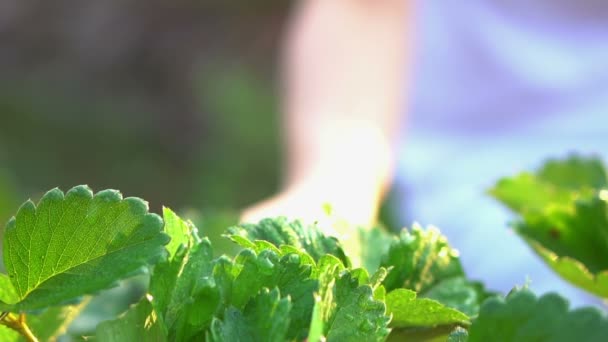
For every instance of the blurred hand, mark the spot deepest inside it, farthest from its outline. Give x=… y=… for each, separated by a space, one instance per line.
x=314 y=203
x=289 y=204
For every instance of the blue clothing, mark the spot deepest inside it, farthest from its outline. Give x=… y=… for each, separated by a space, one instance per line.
x=498 y=87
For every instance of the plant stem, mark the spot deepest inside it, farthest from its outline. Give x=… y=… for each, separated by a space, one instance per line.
x=19 y=324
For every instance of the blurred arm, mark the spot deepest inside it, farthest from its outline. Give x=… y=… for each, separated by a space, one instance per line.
x=345 y=66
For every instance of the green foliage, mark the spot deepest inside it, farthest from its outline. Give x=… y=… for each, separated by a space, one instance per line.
x=521 y=316
x=564 y=217
x=290 y=281
x=281 y=231
x=422 y=261
x=265 y=318
x=347 y=306
x=140 y=322
x=75 y=244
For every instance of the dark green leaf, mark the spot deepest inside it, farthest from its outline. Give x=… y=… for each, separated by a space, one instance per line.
x=579 y=232
x=419 y=259
x=524 y=317
x=184 y=279
x=574 y=271
x=375 y=244
x=346 y=310
x=265 y=318
x=240 y=281
x=139 y=323
x=564 y=218
x=460 y=294
x=77 y=244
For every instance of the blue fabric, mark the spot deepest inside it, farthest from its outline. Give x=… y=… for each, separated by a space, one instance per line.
x=498 y=87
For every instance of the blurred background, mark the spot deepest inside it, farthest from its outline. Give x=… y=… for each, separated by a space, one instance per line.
x=156 y=98
x=176 y=102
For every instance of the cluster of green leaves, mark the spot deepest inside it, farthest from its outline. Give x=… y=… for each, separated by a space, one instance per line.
x=563 y=210
x=289 y=281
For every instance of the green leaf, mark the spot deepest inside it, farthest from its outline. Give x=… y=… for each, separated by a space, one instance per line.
x=436 y=334
x=183 y=279
x=241 y=280
x=375 y=244
x=526 y=192
x=76 y=244
x=177 y=285
x=409 y=311
x=573 y=241
x=139 y=323
x=281 y=231
x=460 y=294
x=346 y=310
x=524 y=317
x=557 y=182
x=182 y=233
x=579 y=232
x=564 y=218
x=264 y=318
x=419 y=259
x=575 y=172
x=574 y=271
x=328 y=269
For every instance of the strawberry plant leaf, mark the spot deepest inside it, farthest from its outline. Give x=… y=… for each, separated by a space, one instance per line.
x=526 y=192
x=409 y=311
x=78 y=243
x=460 y=294
x=419 y=259
x=345 y=306
x=265 y=318
x=182 y=233
x=568 y=228
x=281 y=231
x=574 y=173
x=183 y=279
x=422 y=260
x=139 y=323
x=574 y=271
x=521 y=316
x=241 y=280
x=556 y=182
x=375 y=243
x=579 y=232
x=175 y=286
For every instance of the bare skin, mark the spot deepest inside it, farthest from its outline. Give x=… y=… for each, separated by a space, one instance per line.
x=344 y=73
